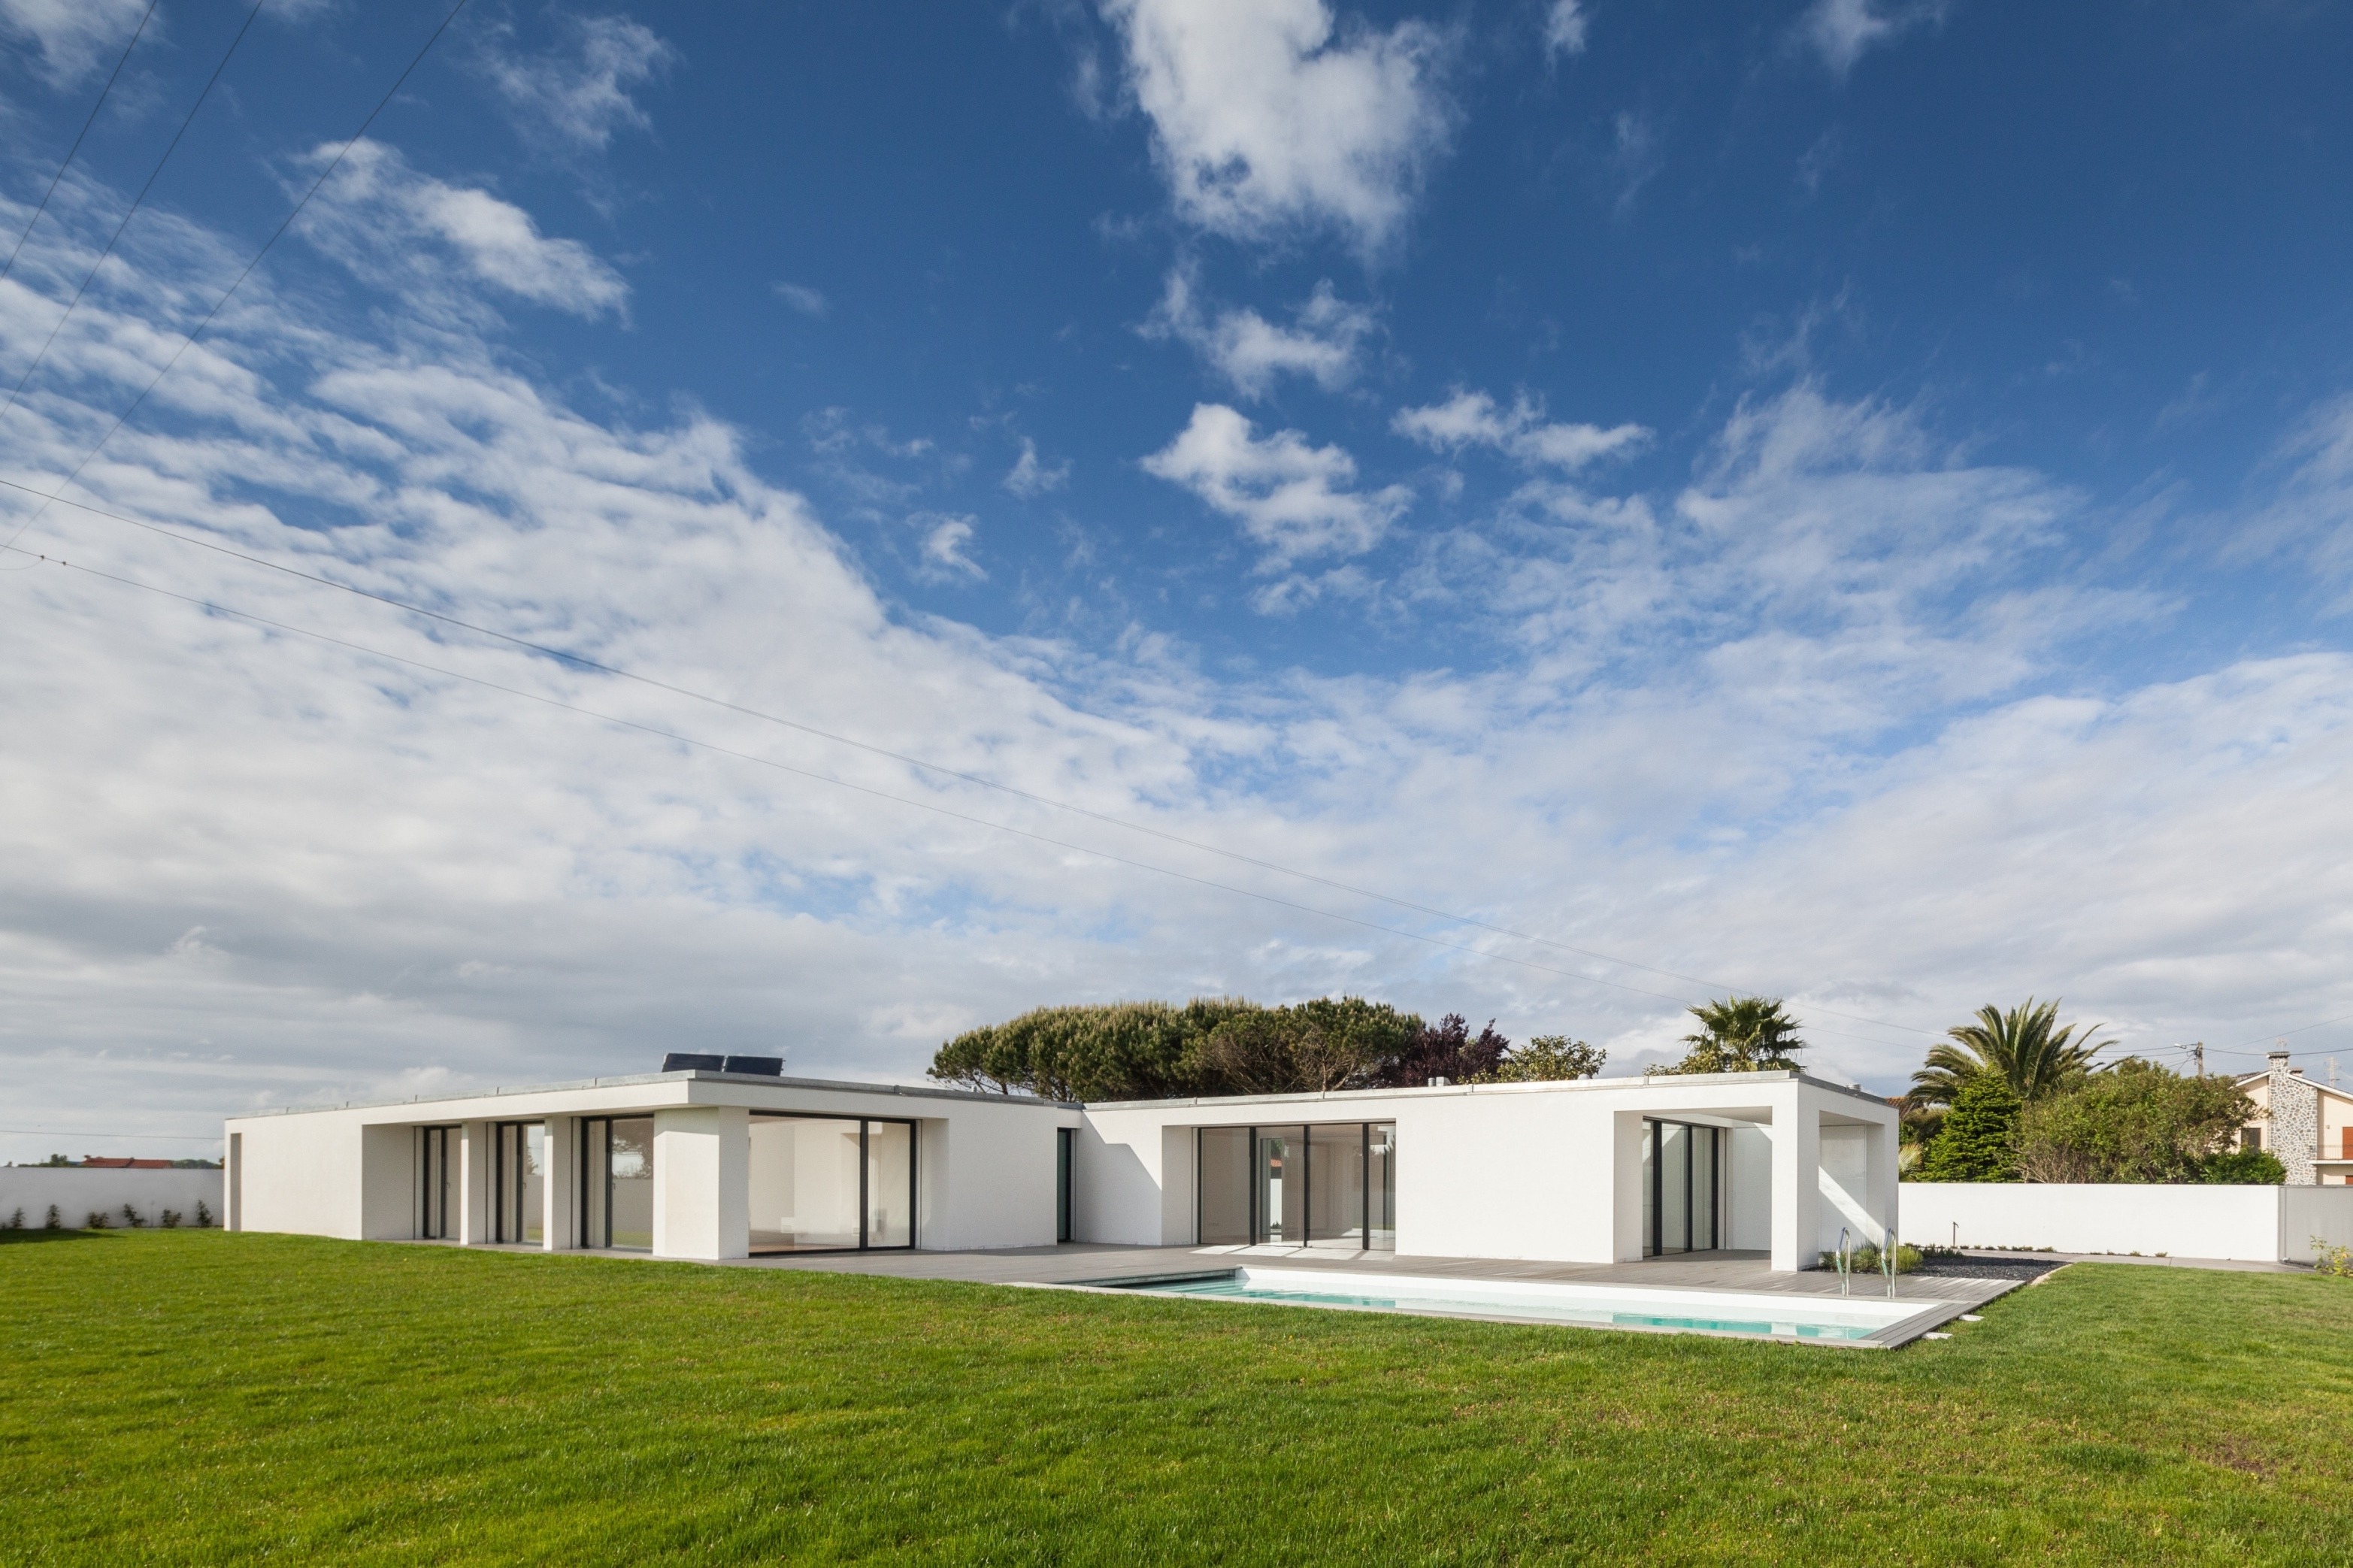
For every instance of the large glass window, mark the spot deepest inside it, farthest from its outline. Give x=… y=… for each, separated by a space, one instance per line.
x=823 y=1184
x=1331 y=1184
x=1682 y=1186
x=519 y=1178
x=617 y=1183
x=436 y=1183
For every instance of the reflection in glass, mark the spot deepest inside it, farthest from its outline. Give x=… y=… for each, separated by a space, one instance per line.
x=1380 y=1187
x=1281 y=1186
x=433 y=1220
x=825 y=1184
x=890 y=1184
x=1649 y=1189
x=630 y=1172
x=1336 y=1186
x=519 y=1211
x=1682 y=1177
x=1225 y=1186
x=1703 y=1188
x=1674 y=1187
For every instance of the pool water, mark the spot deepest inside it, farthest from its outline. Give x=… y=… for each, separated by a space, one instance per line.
x=1833 y=1318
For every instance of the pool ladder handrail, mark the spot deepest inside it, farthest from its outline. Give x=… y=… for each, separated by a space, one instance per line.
x=1888 y=1260
x=1846 y=1262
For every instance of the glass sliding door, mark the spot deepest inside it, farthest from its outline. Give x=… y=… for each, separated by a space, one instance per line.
x=1319 y=1185
x=617 y=1183
x=436 y=1185
x=828 y=1184
x=1380 y=1186
x=890 y=1184
x=519 y=1183
x=1223 y=1186
x=1682 y=1183
x=1065 y=1145
x=1336 y=1186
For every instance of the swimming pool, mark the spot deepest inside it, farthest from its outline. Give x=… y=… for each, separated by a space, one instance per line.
x=1835 y=1319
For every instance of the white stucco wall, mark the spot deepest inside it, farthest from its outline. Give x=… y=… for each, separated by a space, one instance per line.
x=77 y=1192
x=2249 y=1224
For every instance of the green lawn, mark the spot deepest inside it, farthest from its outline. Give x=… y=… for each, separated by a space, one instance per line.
x=193 y=1396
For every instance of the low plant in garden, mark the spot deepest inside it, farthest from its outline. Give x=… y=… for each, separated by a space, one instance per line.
x=131 y=1217
x=16 y=1220
x=169 y=1219
x=97 y=1220
x=2331 y=1261
x=204 y=1215
x=53 y=1223
x=1865 y=1259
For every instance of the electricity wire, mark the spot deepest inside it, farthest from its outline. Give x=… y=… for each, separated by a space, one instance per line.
x=104 y=92
x=661 y=733
x=137 y=202
x=979 y=780
x=189 y=339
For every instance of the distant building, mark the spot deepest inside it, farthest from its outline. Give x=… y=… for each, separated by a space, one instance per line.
x=2308 y=1125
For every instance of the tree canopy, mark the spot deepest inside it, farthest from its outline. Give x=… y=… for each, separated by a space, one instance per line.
x=2025 y=1047
x=1740 y=1033
x=1978 y=1141
x=1215 y=1045
x=2135 y=1121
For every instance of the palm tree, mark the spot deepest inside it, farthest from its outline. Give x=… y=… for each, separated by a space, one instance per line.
x=2024 y=1047
x=1741 y=1034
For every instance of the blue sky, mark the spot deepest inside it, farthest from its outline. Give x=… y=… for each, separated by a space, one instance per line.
x=1845 y=499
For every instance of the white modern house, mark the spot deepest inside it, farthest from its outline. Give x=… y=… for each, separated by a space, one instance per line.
x=709 y=1163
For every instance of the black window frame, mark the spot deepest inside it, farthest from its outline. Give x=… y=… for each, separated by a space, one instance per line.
x=865 y=1209
x=1363 y=1229
x=432 y=1218
x=1654 y=1234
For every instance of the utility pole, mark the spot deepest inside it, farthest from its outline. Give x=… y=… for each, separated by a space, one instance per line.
x=2199 y=1050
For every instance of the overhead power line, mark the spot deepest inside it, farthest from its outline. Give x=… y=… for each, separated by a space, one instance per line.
x=103 y=93
x=139 y=201
x=672 y=736
x=940 y=769
x=188 y=340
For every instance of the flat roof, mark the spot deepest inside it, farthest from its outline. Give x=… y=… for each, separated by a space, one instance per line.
x=1646 y=1080
x=765 y=1080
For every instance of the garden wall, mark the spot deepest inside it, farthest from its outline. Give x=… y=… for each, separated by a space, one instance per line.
x=77 y=1192
x=2257 y=1225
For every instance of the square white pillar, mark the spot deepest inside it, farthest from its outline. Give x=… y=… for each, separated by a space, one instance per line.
x=702 y=1183
x=1626 y=1238
x=474 y=1182
x=1796 y=1134
x=1879 y=1149
x=561 y=1182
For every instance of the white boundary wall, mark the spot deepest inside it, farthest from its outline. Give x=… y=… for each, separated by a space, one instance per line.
x=77 y=1192
x=2254 y=1225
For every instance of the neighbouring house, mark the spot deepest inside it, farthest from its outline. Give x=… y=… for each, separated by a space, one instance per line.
x=715 y=1159
x=2308 y=1125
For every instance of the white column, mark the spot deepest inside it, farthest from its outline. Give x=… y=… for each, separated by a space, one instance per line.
x=1796 y=1134
x=1626 y=1239
x=703 y=1179
x=473 y=1183
x=562 y=1182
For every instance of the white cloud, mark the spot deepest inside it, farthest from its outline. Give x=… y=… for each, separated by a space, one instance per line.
x=1475 y=419
x=580 y=93
x=74 y=37
x=1297 y=501
x=374 y=209
x=1030 y=479
x=946 y=540
x=1842 y=31
x=802 y=297
x=1267 y=118
x=2311 y=515
x=1324 y=344
x=1563 y=28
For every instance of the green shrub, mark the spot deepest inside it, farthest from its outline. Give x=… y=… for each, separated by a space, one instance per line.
x=2243 y=1168
x=204 y=1215
x=1978 y=1141
x=97 y=1220
x=131 y=1217
x=1864 y=1259
x=2336 y=1261
x=53 y=1222
x=171 y=1219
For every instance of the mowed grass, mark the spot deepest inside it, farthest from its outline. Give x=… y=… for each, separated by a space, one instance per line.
x=194 y=1396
